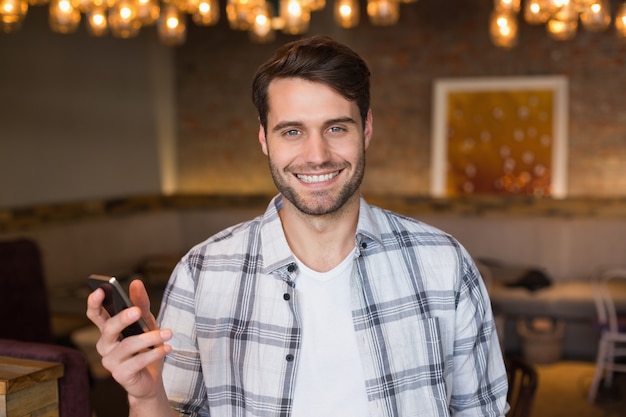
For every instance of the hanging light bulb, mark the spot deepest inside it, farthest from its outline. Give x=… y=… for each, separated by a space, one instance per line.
x=12 y=14
x=536 y=12
x=565 y=10
x=620 y=21
x=97 y=24
x=240 y=13
x=554 y=5
x=503 y=28
x=596 y=17
x=63 y=17
x=148 y=12
x=562 y=30
x=206 y=12
x=172 y=25
x=583 y=4
x=86 y=5
x=512 y=6
x=383 y=12
x=314 y=5
x=295 y=17
x=346 y=13
x=123 y=19
x=262 y=30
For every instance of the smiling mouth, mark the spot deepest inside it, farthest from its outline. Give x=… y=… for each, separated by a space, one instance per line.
x=313 y=179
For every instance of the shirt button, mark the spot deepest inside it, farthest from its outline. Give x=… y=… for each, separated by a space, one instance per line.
x=364 y=245
x=291 y=267
x=286 y=297
x=289 y=357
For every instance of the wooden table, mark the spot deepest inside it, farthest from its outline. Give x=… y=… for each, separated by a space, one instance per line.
x=29 y=388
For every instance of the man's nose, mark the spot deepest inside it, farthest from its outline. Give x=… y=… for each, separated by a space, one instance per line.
x=317 y=149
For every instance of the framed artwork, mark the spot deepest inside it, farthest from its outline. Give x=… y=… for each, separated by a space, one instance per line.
x=500 y=136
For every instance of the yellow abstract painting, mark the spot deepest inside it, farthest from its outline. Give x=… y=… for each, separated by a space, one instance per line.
x=503 y=137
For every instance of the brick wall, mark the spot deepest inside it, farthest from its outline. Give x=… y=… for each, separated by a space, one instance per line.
x=218 y=151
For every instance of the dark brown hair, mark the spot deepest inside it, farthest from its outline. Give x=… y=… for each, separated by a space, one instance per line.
x=318 y=59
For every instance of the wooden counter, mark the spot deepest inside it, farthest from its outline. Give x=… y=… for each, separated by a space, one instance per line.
x=29 y=388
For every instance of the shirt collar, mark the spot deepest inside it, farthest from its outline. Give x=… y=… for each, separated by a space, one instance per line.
x=368 y=228
x=277 y=256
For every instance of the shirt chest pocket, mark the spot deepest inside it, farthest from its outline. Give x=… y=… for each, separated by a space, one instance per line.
x=414 y=360
x=417 y=344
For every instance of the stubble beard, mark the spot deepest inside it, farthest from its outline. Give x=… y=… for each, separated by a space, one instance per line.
x=322 y=202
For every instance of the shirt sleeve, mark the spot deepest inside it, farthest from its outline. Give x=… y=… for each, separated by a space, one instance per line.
x=182 y=369
x=480 y=382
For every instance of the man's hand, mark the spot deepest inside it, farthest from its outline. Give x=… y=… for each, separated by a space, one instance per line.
x=135 y=362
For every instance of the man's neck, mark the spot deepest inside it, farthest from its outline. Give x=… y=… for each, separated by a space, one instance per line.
x=321 y=242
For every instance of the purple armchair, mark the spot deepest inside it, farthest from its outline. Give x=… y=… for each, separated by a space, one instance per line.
x=23 y=294
x=25 y=327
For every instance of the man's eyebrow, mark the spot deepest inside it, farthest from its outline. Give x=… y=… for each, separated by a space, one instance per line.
x=283 y=125
x=341 y=120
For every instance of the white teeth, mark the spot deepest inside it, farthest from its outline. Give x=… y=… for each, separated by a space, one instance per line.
x=311 y=179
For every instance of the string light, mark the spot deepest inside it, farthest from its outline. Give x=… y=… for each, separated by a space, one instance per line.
x=125 y=18
x=560 y=17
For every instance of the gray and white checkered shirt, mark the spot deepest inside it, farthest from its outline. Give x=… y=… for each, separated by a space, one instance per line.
x=421 y=314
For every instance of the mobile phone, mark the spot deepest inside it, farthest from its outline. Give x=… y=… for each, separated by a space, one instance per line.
x=116 y=300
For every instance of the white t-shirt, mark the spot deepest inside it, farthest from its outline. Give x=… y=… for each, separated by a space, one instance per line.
x=330 y=381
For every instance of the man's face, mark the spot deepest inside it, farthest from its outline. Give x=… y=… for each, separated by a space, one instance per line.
x=315 y=143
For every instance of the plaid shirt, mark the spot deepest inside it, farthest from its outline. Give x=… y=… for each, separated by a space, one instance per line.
x=421 y=314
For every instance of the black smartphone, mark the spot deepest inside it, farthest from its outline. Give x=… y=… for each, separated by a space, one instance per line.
x=116 y=300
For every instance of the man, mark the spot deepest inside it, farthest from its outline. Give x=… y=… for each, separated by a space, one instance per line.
x=323 y=306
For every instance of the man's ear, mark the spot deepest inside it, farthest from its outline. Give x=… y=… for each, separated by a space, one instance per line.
x=369 y=128
x=262 y=139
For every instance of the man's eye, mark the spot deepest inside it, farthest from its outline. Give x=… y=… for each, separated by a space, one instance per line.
x=336 y=129
x=292 y=132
